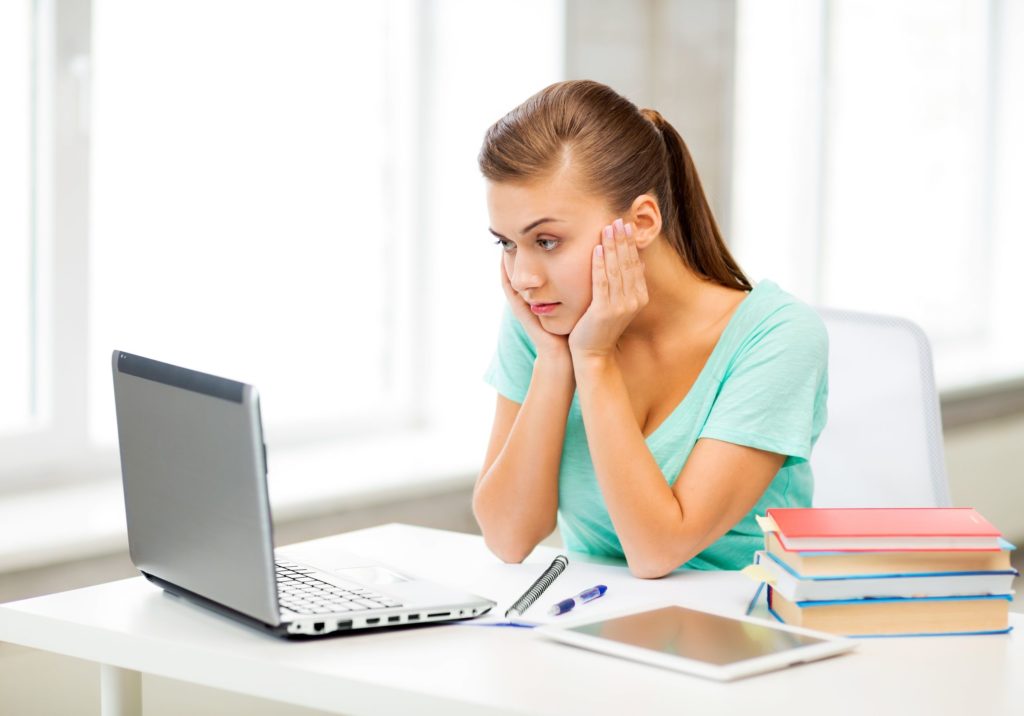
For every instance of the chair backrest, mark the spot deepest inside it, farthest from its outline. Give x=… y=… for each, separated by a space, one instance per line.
x=882 y=446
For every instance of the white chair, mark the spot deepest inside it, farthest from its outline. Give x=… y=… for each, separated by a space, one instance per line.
x=882 y=446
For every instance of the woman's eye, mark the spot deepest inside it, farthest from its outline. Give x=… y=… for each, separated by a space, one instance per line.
x=544 y=244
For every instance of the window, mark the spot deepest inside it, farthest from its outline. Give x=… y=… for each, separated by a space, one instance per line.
x=875 y=165
x=245 y=185
x=282 y=192
x=16 y=241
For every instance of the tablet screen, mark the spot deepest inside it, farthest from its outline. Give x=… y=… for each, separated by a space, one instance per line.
x=696 y=635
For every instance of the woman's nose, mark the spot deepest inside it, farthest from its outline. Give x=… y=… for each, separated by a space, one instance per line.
x=524 y=275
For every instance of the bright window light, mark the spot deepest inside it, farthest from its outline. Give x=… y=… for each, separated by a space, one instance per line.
x=282 y=192
x=905 y=174
x=244 y=200
x=875 y=165
x=16 y=268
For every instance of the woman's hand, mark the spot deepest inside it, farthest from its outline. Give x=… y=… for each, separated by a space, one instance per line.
x=547 y=344
x=620 y=292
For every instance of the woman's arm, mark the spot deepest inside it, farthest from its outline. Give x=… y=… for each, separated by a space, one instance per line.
x=662 y=527
x=515 y=499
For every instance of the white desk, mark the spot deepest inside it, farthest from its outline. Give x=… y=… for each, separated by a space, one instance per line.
x=131 y=626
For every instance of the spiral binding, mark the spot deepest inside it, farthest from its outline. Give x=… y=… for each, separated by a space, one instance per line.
x=538 y=587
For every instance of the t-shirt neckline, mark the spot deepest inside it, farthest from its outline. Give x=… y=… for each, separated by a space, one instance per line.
x=702 y=376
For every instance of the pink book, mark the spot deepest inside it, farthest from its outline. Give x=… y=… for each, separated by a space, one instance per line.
x=826 y=529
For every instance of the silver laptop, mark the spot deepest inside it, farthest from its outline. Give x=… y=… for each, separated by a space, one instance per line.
x=194 y=469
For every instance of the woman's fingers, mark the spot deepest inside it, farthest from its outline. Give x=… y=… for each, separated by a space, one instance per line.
x=626 y=278
x=612 y=260
x=622 y=251
x=619 y=291
x=599 y=277
x=636 y=282
x=627 y=287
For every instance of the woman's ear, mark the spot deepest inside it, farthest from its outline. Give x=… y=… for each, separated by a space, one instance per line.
x=645 y=214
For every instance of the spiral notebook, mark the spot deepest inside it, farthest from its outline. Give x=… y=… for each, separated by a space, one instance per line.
x=540 y=585
x=514 y=609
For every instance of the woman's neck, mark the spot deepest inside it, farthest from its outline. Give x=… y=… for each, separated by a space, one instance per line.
x=680 y=303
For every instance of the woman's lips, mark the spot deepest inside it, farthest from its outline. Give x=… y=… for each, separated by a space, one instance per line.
x=543 y=308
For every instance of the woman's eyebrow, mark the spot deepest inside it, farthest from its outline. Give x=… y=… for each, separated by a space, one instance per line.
x=533 y=225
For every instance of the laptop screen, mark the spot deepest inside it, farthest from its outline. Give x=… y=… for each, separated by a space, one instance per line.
x=194 y=474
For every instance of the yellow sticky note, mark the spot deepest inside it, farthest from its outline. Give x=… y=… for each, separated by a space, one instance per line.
x=758 y=573
x=766 y=523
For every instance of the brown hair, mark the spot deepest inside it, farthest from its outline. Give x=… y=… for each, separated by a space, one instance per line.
x=622 y=152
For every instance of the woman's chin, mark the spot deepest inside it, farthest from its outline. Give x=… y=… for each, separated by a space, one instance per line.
x=555 y=326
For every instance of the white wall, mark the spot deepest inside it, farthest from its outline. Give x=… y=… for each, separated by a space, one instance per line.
x=985 y=463
x=675 y=56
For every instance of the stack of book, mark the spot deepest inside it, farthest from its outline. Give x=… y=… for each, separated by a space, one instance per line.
x=886 y=571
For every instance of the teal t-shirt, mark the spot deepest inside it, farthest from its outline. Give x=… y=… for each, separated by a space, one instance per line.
x=765 y=386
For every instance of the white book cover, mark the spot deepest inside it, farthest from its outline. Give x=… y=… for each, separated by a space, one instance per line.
x=798 y=588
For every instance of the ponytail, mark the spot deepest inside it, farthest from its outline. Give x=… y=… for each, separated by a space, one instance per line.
x=697 y=237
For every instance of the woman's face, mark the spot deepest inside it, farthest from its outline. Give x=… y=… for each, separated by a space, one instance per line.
x=547 y=230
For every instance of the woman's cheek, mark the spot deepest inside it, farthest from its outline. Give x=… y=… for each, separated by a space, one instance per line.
x=585 y=287
x=507 y=261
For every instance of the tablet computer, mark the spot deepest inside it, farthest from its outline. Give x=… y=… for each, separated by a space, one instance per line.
x=701 y=643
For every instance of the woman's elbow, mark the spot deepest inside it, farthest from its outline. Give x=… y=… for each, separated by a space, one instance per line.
x=507 y=551
x=648 y=571
x=510 y=546
x=511 y=541
x=653 y=566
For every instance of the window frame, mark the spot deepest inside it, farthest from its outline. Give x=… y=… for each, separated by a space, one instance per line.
x=810 y=238
x=61 y=37
x=441 y=432
x=56 y=448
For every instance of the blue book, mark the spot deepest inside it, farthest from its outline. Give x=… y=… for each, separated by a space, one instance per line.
x=887 y=562
x=803 y=588
x=898 y=616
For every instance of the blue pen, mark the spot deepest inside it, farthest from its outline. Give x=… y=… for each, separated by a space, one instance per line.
x=583 y=597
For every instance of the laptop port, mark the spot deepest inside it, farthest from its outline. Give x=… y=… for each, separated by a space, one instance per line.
x=392 y=620
x=374 y=620
x=318 y=626
x=438 y=614
x=414 y=617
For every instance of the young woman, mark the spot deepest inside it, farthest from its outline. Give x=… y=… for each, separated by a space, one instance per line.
x=650 y=399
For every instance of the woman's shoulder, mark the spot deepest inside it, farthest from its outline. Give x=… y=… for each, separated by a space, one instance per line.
x=773 y=316
x=770 y=305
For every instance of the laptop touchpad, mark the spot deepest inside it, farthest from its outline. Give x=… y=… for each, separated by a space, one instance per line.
x=369 y=575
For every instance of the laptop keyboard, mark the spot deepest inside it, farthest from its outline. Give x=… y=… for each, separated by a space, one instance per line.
x=300 y=592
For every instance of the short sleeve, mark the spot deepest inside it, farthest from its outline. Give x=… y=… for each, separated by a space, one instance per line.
x=511 y=367
x=773 y=394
